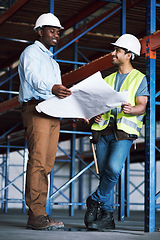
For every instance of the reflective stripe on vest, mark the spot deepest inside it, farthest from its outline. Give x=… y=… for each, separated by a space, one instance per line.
x=129 y=124
x=125 y=122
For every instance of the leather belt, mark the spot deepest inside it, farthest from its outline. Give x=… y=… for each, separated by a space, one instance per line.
x=31 y=102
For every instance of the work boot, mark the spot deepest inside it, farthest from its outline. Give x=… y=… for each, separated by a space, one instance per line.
x=91 y=213
x=103 y=222
x=43 y=223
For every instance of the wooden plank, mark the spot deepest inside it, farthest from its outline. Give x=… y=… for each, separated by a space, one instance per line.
x=8 y=105
x=12 y=10
x=80 y=73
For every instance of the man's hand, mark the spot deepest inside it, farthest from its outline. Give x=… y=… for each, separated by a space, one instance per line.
x=126 y=108
x=83 y=120
x=138 y=109
x=98 y=118
x=61 y=91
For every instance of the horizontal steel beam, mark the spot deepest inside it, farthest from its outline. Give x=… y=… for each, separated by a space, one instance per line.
x=154 y=42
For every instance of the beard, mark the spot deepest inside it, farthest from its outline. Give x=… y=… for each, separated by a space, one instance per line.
x=115 y=63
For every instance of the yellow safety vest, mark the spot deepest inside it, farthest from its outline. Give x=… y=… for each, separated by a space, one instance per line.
x=126 y=122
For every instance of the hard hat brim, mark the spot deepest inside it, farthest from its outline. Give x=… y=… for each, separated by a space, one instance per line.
x=114 y=44
x=35 y=28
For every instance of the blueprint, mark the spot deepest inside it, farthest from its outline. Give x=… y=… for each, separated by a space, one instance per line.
x=89 y=98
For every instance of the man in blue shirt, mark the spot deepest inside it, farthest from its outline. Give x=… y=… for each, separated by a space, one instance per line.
x=40 y=79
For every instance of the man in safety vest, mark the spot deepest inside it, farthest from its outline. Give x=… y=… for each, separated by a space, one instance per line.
x=116 y=131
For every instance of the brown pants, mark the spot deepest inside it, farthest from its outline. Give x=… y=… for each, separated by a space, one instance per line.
x=42 y=134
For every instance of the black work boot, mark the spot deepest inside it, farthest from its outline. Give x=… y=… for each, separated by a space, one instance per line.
x=91 y=213
x=104 y=221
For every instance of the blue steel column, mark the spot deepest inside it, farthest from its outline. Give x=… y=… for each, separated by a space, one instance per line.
x=150 y=125
x=80 y=193
x=121 y=197
x=3 y=179
x=72 y=170
x=127 y=176
x=25 y=158
x=81 y=177
x=52 y=6
x=76 y=49
x=48 y=204
x=10 y=82
x=7 y=176
x=50 y=192
x=73 y=145
x=123 y=20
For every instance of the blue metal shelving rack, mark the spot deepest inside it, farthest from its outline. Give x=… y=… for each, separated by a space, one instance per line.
x=150 y=168
x=150 y=164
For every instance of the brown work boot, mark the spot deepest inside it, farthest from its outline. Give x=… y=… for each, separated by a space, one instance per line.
x=43 y=223
x=56 y=224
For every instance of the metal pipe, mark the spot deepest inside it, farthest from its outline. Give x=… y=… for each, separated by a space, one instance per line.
x=71 y=180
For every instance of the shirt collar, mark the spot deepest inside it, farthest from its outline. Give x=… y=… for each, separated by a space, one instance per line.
x=43 y=48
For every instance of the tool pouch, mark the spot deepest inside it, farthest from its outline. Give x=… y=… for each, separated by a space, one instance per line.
x=95 y=136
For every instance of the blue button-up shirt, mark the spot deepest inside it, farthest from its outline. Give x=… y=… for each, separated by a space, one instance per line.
x=38 y=72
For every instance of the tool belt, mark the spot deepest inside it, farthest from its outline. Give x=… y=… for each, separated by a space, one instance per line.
x=119 y=134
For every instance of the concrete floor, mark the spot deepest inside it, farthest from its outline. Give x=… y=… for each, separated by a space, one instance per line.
x=13 y=227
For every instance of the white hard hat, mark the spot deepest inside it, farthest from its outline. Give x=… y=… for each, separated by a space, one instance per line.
x=47 y=19
x=129 y=42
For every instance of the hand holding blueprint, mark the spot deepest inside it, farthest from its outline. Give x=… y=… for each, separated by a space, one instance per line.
x=89 y=98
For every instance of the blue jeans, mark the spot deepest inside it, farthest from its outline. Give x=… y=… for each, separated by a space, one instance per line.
x=111 y=155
